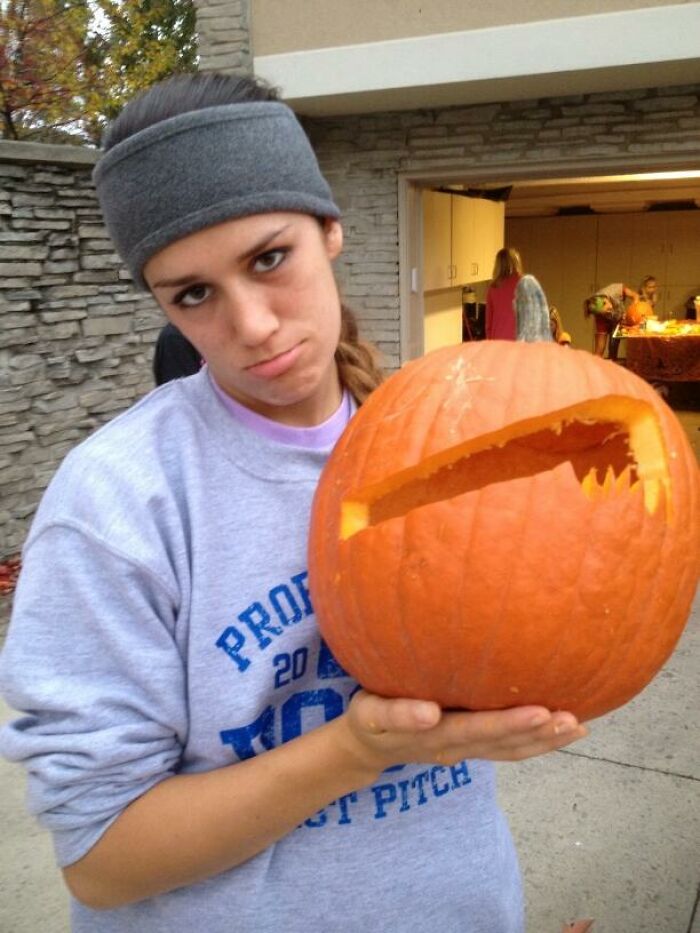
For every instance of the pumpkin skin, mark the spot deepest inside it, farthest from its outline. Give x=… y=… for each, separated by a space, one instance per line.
x=637 y=312
x=530 y=589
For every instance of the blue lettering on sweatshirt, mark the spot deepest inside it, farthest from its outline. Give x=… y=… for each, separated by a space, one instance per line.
x=261 y=624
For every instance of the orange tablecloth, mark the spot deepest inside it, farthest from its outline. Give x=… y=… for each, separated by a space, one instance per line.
x=672 y=356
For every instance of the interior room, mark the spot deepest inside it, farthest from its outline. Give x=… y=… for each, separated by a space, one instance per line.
x=575 y=235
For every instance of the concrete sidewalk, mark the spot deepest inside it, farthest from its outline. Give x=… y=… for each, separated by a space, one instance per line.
x=608 y=830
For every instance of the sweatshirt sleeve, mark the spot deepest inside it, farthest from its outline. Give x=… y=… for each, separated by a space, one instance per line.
x=92 y=661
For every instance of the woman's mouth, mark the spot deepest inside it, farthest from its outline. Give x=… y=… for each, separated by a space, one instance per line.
x=276 y=365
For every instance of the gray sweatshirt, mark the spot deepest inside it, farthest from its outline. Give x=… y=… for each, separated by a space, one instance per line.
x=163 y=625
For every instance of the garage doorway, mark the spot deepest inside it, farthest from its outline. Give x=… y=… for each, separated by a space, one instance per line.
x=578 y=228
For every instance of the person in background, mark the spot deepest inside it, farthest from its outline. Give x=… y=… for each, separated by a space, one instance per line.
x=531 y=311
x=174 y=356
x=500 y=297
x=199 y=755
x=556 y=326
x=692 y=307
x=607 y=306
x=649 y=291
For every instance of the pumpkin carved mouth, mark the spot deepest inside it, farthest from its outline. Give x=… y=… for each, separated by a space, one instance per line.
x=614 y=445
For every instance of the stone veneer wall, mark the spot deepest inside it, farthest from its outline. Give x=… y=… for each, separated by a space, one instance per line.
x=75 y=341
x=223 y=31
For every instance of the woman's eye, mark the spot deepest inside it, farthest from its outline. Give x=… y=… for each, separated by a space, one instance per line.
x=192 y=296
x=266 y=262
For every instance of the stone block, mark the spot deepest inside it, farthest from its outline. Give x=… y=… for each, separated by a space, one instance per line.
x=96 y=278
x=666 y=103
x=17 y=318
x=55 y=213
x=32 y=200
x=12 y=236
x=53 y=178
x=55 y=267
x=59 y=331
x=72 y=291
x=93 y=231
x=103 y=261
x=67 y=314
x=10 y=269
x=8 y=170
x=93 y=355
x=106 y=326
x=36 y=224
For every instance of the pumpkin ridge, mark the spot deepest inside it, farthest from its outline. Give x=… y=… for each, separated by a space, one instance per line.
x=370 y=436
x=637 y=608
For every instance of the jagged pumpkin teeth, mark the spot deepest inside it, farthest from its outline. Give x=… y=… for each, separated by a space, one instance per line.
x=470 y=534
x=523 y=449
x=623 y=481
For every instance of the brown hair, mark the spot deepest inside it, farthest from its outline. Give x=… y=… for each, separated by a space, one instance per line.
x=357 y=360
x=507 y=262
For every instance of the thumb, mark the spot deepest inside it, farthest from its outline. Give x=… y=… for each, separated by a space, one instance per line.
x=375 y=714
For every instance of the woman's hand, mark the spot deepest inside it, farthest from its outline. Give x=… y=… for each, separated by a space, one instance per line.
x=389 y=732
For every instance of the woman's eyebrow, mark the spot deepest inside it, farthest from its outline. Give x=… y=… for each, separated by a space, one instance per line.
x=257 y=247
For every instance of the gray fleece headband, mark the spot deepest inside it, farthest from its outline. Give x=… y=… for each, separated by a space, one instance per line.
x=204 y=167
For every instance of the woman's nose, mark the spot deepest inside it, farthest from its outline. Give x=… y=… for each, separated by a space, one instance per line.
x=249 y=315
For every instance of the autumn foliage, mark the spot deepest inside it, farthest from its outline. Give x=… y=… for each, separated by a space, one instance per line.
x=68 y=66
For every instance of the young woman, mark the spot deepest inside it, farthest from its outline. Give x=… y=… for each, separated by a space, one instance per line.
x=608 y=308
x=500 y=297
x=649 y=290
x=199 y=756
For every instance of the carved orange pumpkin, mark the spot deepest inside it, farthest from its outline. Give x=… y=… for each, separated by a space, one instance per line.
x=637 y=312
x=502 y=524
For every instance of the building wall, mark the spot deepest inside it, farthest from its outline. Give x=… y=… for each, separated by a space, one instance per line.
x=75 y=341
x=280 y=26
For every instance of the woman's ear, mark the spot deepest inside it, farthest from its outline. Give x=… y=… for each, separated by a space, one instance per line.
x=333 y=232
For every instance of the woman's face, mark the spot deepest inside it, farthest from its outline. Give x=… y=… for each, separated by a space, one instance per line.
x=257 y=298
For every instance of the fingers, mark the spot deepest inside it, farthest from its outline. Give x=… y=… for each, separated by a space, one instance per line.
x=418 y=730
x=519 y=733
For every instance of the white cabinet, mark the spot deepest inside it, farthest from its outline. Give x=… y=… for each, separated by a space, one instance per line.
x=437 y=241
x=461 y=237
x=478 y=227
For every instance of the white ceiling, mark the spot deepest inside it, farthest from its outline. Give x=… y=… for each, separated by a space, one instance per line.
x=618 y=194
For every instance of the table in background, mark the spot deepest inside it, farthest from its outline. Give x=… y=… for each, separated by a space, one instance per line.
x=665 y=352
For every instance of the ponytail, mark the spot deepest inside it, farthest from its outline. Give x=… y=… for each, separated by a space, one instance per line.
x=357 y=360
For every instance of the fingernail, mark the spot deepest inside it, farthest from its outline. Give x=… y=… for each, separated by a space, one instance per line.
x=539 y=720
x=565 y=725
x=425 y=715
